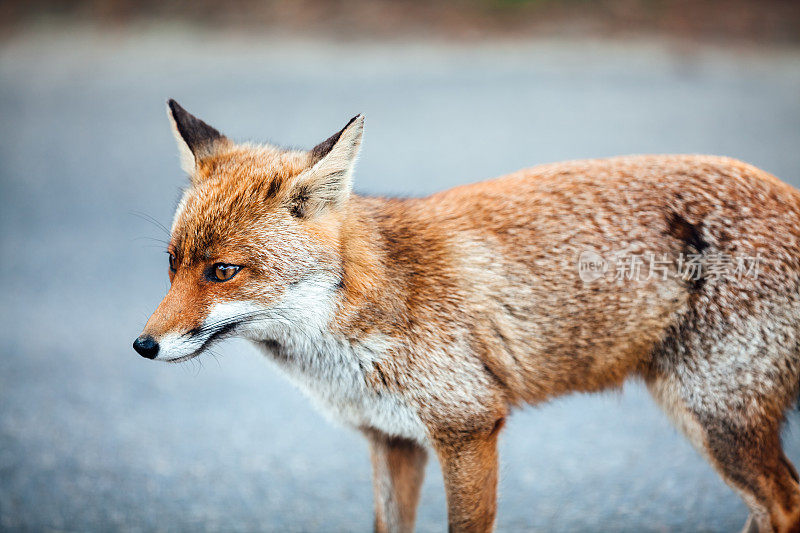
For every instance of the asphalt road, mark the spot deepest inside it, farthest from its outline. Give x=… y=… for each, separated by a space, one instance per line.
x=95 y=438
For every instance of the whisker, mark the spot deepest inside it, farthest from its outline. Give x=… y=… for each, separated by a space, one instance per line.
x=155 y=239
x=152 y=220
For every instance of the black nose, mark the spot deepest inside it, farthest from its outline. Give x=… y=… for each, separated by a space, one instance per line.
x=146 y=346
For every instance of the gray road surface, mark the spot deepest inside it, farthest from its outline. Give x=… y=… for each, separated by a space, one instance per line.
x=95 y=438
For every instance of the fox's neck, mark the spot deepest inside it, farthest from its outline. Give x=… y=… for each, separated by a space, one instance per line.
x=372 y=308
x=389 y=256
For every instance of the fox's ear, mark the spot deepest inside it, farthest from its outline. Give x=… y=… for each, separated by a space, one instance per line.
x=195 y=138
x=327 y=183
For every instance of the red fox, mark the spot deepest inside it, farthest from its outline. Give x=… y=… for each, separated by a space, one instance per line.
x=422 y=322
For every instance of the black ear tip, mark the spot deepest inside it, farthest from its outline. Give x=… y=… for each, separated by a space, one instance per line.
x=360 y=116
x=174 y=106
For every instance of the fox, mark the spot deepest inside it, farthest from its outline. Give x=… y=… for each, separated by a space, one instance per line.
x=423 y=322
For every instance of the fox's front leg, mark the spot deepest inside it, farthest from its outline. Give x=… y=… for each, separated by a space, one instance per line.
x=469 y=466
x=398 y=468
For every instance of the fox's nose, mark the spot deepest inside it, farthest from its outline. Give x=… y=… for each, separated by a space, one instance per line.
x=146 y=346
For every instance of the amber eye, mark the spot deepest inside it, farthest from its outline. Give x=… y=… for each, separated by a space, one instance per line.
x=173 y=263
x=223 y=272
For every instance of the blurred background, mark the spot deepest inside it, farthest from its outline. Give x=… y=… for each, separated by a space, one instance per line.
x=95 y=438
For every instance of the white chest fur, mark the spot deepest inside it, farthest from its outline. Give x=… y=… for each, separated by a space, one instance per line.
x=332 y=373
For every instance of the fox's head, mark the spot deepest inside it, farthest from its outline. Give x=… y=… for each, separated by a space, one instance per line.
x=254 y=244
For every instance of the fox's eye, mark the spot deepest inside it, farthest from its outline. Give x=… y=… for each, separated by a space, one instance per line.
x=173 y=263
x=223 y=272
